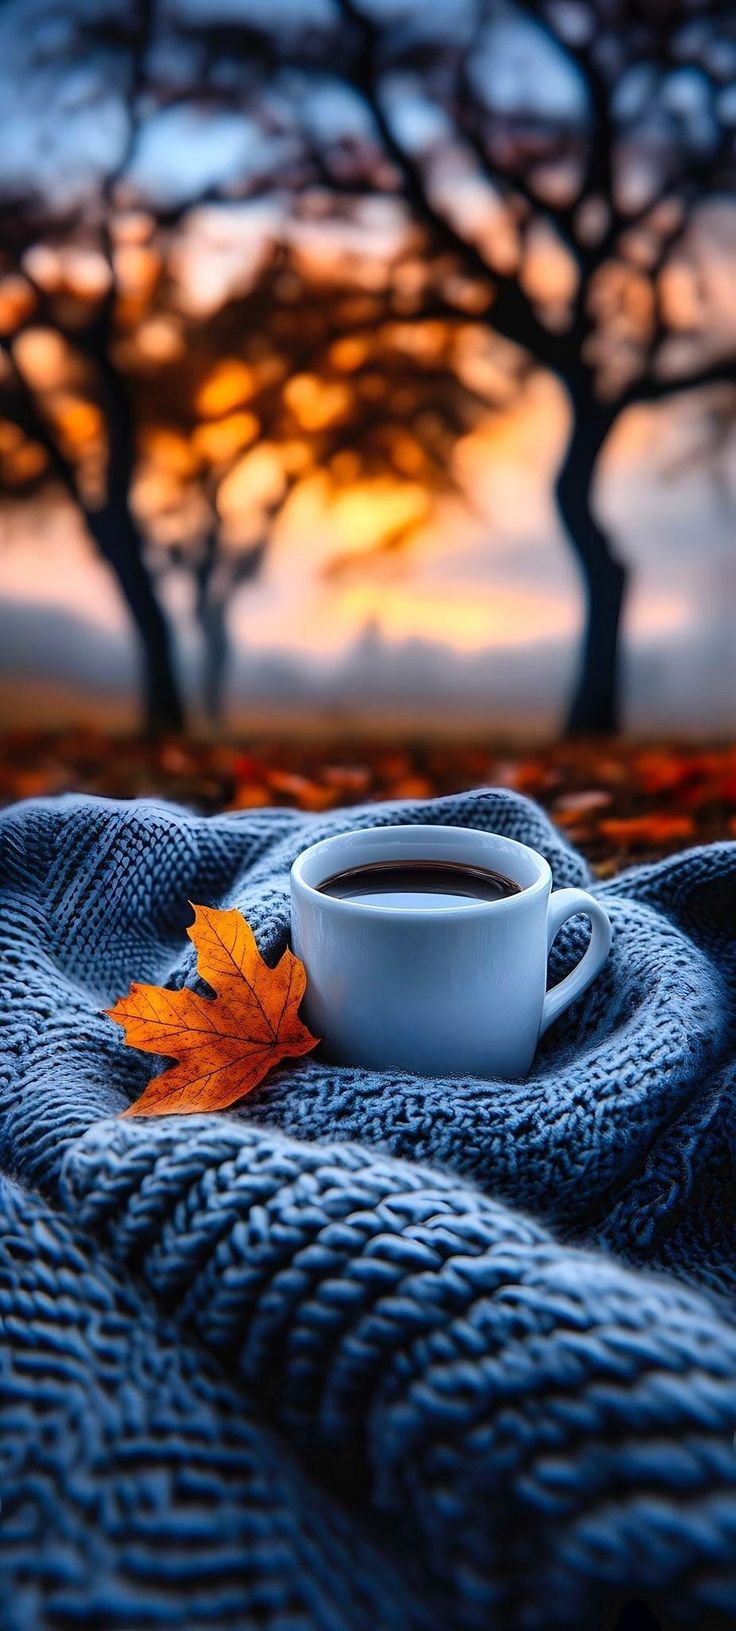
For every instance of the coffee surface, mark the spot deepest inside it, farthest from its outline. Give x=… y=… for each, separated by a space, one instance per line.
x=421 y=885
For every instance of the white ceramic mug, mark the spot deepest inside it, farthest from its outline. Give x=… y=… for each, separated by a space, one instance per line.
x=436 y=989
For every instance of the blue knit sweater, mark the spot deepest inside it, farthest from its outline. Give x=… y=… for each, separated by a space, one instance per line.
x=372 y=1353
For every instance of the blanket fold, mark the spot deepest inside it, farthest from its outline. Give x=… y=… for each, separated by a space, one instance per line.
x=373 y=1349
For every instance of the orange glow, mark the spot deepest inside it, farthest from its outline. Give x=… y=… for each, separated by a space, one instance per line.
x=155 y=489
x=452 y=615
x=295 y=456
x=482 y=361
x=269 y=369
x=184 y=521
x=170 y=450
x=372 y=387
x=229 y=384
x=25 y=463
x=424 y=340
x=323 y=426
x=469 y=296
x=79 y=421
x=216 y=443
x=349 y=353
x=548 y=272
x=44 y=265
x=10 y=436
x=623 y=299
x=372 y=510
x=407 y=454
x=409 y=279
x=85 y=272
x=314 y=403
x=345 y=466
x=256 y=480
x=681 y=296
x=159 y=340
x=523 y=440
x=137 y=267
x=17 y=301
x=43 y=357
x=134 y=227
x=77 y=268
x=496 y=231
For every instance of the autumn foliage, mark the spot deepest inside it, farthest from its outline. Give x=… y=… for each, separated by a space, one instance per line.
x=616 y=801
x=224 y=1044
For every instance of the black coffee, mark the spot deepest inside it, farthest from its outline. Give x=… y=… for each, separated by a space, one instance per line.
x=419 y=884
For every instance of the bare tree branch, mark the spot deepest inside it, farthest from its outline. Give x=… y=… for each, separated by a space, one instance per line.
x=513 y=314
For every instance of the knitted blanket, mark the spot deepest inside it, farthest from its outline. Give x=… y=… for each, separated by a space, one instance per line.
x=373 y=1352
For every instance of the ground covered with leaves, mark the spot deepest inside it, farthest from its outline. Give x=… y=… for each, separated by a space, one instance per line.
x=617 y=802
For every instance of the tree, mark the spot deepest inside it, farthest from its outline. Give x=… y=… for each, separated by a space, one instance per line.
x=569 y=156
x=294 y=361
x=616 y=165
x=302 y=379
x=89 y=324
x=545 y=186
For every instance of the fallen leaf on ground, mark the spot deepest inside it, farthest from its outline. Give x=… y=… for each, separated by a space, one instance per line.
x=658 y=828
x=568 y=809
x=667 y=794
x=225 y=1044
x=659 y=770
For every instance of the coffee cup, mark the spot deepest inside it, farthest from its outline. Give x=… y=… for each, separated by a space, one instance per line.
x=426 y=948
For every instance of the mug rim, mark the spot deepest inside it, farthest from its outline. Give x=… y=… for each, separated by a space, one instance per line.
x=430 y=914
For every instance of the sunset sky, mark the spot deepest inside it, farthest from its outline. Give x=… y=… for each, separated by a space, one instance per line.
x=477 y=614
x=480 y=587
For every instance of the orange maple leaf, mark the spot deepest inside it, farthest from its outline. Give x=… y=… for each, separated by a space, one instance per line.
x=225 y=1044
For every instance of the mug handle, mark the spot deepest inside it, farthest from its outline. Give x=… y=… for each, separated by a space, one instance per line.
x=565 y=903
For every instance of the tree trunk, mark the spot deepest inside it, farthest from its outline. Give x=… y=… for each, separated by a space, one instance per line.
x=212 y=616
x=217 y=582
x=594 y=709
x=119 y=542
x=115 y=532
x=211 y=606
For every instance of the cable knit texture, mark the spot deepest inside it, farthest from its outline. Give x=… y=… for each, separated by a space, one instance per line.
x=374 y=1352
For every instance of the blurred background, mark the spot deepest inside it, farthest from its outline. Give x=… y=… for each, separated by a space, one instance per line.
x=367 y=370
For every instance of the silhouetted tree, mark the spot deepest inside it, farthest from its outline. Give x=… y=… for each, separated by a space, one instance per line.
x=299 y=377
x=571 y=157
x=329 y=379
x=554 y=181
x=90 y=326
x=609 y=127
